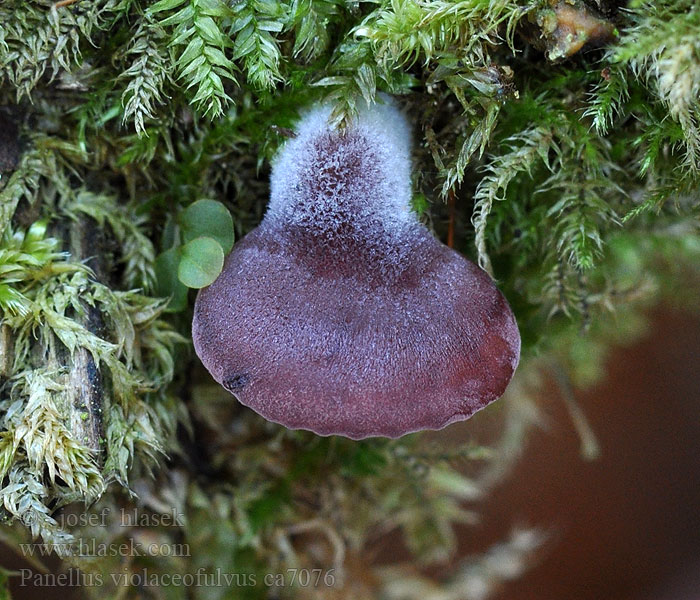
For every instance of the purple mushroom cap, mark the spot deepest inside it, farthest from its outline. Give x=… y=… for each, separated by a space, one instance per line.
x=341 y=313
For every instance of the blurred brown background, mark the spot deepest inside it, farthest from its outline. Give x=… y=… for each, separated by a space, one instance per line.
x=626 y=526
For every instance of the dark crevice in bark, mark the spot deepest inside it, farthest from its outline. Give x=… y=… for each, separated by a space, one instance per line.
x=86 y=385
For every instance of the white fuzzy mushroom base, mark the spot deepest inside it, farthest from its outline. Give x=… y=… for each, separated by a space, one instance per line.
x=341 y=313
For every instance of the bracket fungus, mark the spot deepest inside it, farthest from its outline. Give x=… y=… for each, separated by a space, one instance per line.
x=341 y=313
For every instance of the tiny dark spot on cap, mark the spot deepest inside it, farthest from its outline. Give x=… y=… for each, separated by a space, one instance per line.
x=236 y=382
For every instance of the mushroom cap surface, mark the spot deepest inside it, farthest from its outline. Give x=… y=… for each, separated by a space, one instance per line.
x=341 y=313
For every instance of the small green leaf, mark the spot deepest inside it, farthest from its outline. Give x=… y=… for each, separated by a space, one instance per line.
x=167 y=282
x=201 y=261
x=165 y=5
x=208 y=218
x=328 y=81
x=420 y=204
x=36 y=232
